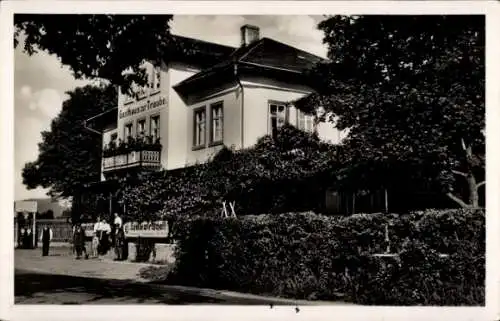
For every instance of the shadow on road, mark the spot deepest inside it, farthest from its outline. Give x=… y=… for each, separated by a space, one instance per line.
x=35 y=288
x=57 y=288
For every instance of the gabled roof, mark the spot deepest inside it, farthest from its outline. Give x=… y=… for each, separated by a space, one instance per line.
x=198 y=52
x=265 y=53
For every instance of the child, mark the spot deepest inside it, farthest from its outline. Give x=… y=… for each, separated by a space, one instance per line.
x=95 y=245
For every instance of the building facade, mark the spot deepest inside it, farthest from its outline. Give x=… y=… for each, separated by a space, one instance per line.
x=192 y=107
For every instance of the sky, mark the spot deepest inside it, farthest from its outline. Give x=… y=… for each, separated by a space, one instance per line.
x=40 y=81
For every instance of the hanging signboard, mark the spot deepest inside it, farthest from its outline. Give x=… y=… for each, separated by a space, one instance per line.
x=158 y=229
x=25 y=206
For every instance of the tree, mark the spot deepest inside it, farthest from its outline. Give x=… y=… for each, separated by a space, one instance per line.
x=69 y=155
x=98 y=46
x=410 y=89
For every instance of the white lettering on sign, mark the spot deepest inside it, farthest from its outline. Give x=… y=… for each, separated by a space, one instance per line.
x=148 y=105
x=153 y=229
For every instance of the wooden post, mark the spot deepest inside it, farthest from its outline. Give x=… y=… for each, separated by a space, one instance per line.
x=353 y=203
x=388 y=248
x=110 y=204
x=386 y=200
x=34 y=230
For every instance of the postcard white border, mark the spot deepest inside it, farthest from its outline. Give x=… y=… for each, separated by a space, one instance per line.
x=134 y=312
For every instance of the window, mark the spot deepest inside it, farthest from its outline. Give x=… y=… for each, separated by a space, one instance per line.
x=278 y=116
x=199 y=127
x=155 y=84
x=155 y=127
x=128 y=131
x=305 y=122
x=217 y=123
x=141 y=127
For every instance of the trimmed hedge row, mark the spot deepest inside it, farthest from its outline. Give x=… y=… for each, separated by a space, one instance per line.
x=309 y=256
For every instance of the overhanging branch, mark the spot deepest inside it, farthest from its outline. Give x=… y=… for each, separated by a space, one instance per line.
x=458 y=200
x=480 y=184
x=459 y=173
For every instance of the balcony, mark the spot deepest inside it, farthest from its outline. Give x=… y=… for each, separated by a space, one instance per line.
x=136 y=153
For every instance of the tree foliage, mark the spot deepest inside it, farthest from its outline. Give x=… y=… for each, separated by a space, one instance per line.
x=98 y=46
x=410 y=89
x=70 y=155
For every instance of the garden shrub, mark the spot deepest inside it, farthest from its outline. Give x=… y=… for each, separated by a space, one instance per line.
x=306 y=256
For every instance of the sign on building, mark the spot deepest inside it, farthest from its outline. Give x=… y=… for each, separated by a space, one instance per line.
x=157 y=229
x=25 y=206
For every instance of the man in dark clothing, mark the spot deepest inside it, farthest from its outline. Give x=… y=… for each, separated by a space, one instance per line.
x=45 y=238
x=79 y=241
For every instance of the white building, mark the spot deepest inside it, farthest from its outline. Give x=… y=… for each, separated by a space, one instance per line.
x=197 y=103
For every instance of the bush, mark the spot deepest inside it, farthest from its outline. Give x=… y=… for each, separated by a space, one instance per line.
x=309 y=256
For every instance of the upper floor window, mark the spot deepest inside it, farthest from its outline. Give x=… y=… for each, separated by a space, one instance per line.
x=305 y=122
x=141 y=128
x=127 y=132
x=278 y=116
x=155 y=127
x=155 y=80
x=199 y=127
x=217 y=123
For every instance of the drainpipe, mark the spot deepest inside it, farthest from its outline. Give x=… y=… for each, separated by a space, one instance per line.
x=242 y=103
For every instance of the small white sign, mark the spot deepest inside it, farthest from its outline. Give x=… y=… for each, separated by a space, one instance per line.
x=26 y=206
x=157 y=229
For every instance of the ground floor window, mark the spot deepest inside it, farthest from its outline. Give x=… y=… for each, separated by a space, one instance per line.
x=217 y=123
x=199 y=127
x=278 y=116
x=305 y=122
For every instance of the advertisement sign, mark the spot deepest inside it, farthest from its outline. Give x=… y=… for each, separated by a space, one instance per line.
x=142 y=106
x=25 y=206
x=147 y=229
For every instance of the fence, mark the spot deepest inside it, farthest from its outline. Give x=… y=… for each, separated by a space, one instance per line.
x=61 y=229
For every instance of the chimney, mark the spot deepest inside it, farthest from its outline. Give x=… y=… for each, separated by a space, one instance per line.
x=249 y=34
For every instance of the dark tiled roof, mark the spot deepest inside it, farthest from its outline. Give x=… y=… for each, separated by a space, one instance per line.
x=265 y=53
x=271 y=53
x=198 y=52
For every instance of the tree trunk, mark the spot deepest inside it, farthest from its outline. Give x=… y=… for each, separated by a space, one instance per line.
x=473 y=194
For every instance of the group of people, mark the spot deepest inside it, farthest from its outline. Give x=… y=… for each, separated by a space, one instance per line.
x=25 y=238
x=104 y=236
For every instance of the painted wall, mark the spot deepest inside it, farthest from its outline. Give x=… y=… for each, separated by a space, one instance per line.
x=177 y=116
x=230 y=97
x=258 y=93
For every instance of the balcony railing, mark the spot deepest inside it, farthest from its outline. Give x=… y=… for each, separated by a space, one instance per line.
x=144 y=153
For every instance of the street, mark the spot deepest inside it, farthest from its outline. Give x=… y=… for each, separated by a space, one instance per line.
x=60 y=279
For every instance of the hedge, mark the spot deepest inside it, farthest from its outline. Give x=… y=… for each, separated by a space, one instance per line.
x=316 y=257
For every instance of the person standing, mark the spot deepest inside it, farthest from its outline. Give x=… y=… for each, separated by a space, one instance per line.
x=79 y=241
x=117 y=225
x=119 y=243
x=96 y=246
x=45 y=238
x=118 y=221
x=105 y=234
